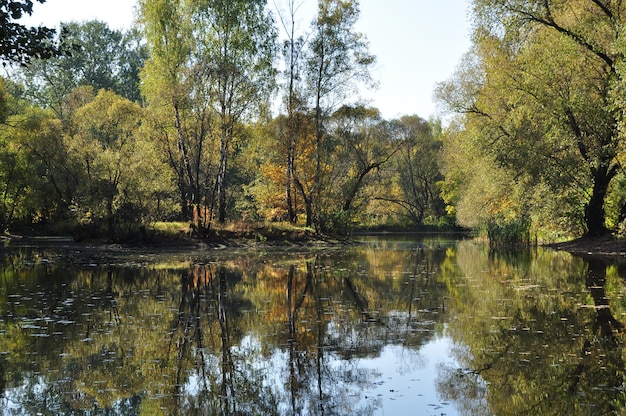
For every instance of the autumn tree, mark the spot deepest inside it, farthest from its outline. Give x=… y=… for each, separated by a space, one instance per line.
x=337 y=62
x=537 y=90
x=268 y=187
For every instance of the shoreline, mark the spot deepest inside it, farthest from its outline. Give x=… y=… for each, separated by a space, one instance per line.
x=593 y=246
x=606 y=246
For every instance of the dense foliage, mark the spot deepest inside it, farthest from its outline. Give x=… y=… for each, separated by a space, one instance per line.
x=539 y=142
x=178 y=119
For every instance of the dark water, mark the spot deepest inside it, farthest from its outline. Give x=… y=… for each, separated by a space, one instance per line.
x=402 y=326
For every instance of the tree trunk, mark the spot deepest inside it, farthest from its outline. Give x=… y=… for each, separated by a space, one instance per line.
x=292 y=123
x=357 y=184
x=221 y=181
x=188 y=187
x=291 y=214
x=308 y=202
x=110 y=220
x=595 y=215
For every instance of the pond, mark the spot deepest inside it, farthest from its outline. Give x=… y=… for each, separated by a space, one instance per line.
x=428 y=325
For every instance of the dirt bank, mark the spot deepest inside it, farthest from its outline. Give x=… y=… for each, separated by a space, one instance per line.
x=600 y=246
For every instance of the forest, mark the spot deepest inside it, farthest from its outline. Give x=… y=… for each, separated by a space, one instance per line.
x=215 y=111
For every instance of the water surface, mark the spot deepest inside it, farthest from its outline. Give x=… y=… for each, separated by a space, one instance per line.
x=426 y=325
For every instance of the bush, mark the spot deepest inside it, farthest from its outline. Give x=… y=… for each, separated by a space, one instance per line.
x=509 y=233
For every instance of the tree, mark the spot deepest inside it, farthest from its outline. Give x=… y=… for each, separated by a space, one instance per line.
x=417 y=169
x=179 y=105
x=18 y=43
x=29 y=137
x=211 y=68
x=237 y=40
x=101 y=58
x=359 y=144
x=293 y=54
x=122 y=174
x=538 y=91
x=268 y=188
x=14 y=174
x=337 y=62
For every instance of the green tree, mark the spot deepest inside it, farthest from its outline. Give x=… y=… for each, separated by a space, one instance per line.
x=293 y=56
x=237 y=40
x=359 y=144
x=101 y=58
x=211 y=69
x=14 y=178
x=179 y=104
x=29 y=137
x=537 y=92
x=122 y=173
x=417 y=169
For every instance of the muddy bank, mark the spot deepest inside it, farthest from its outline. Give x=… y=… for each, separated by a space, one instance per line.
x=596 y=246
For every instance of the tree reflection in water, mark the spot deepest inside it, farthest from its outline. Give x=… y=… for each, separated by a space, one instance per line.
x=313 y=333
x=537 y=335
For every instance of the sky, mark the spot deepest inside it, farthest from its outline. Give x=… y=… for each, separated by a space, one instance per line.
x=417 y=43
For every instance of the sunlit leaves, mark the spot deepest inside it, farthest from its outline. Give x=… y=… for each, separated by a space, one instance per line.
x=536 y=93
x=117 y=164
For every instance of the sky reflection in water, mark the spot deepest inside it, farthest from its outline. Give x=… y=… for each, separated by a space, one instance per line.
x=406 y=384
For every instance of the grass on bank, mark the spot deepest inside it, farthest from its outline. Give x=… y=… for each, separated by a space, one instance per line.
x=258 y=231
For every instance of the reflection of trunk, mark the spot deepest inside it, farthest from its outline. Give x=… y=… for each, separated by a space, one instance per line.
x=605 y=329
x=320 y=339
x=229 y=405
x=293 y=306
x=606 y=323
x=187 y=323
x=359 y=301
x=293 y=352
x=419 y=256
x=3 y=377
x=110 y=297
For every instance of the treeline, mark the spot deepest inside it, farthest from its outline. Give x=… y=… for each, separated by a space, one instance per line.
x=215 y=110
x=178 y=119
